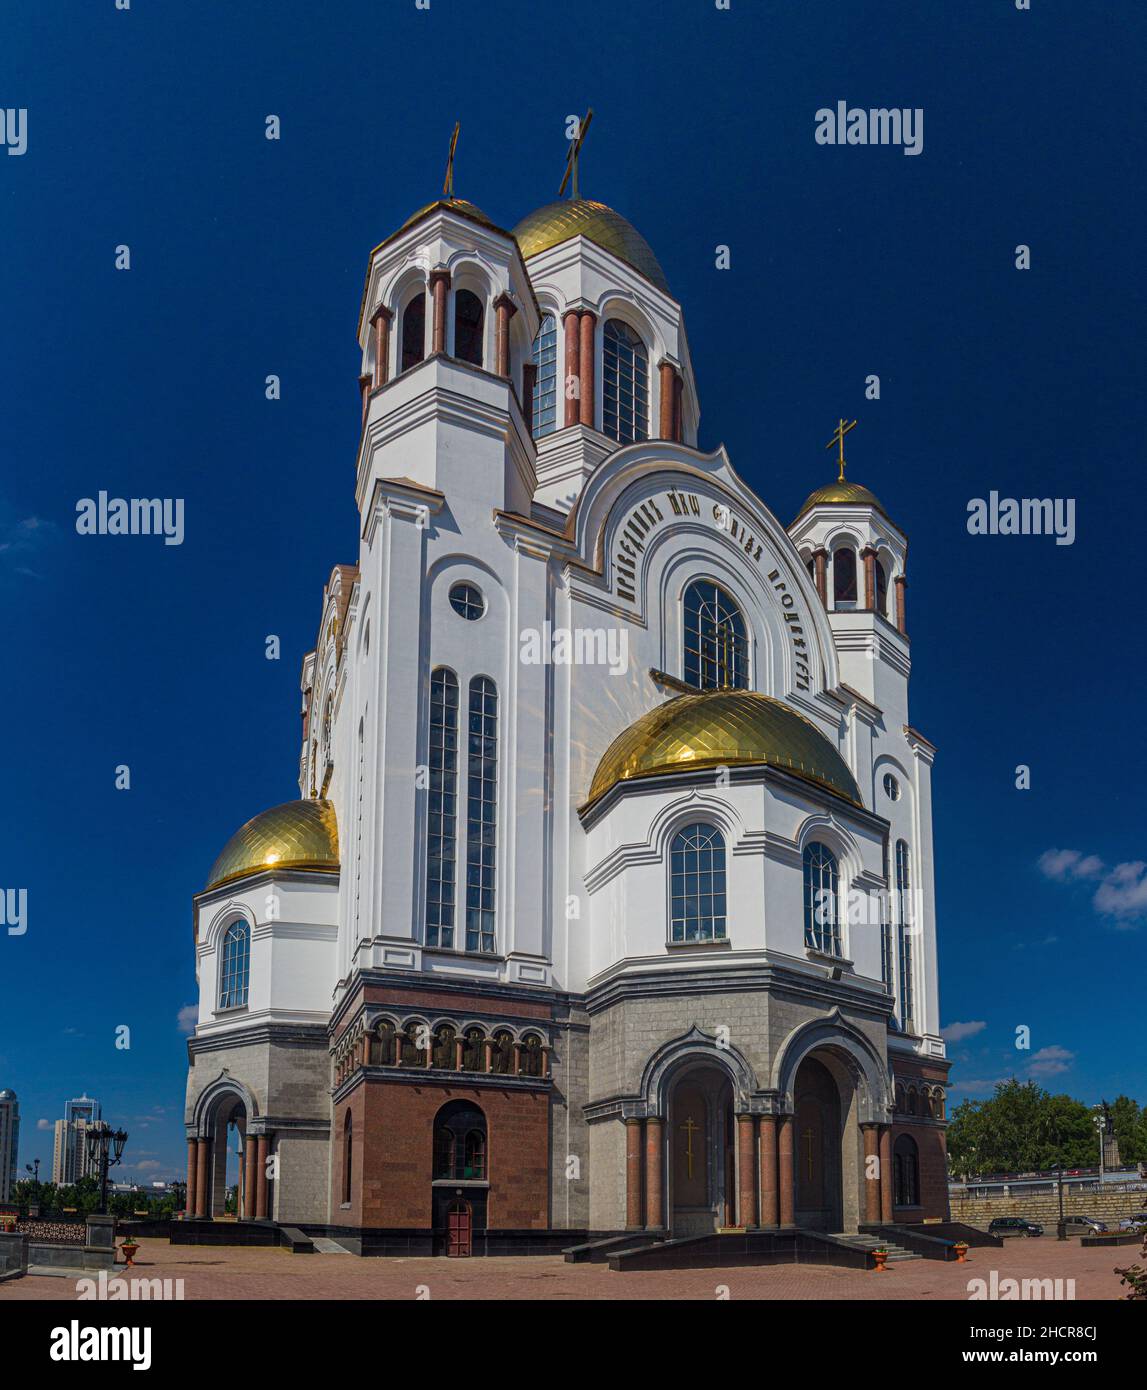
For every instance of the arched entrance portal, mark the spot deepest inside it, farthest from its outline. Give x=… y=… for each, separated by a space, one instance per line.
x=700 y=1143
x=817 y=1148
x=228 y=1144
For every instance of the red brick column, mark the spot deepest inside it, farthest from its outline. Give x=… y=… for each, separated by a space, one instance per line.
x=504 y=311
x=868 y=555
x=871 y=1185
x=668 y=399
x=381 y=323
x=586 y=363
x=885 y=1172
x=364 y=395
x=202 y=1198
x=489 y=1046
x=570 y=323
x=820 y=560
x=769 y=1191
x=633 y=1175
x=250 y=1180
x=678 y=411
x=785 y=1170
x=901 y=601
x=261 y=1177
x=746 y=1171
x=192 y=1166
x=439 y=287
x=654 y=1199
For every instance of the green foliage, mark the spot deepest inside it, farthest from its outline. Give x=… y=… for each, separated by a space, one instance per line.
x=1021 y=1129
x=84 y=1196
x=1135 y=1276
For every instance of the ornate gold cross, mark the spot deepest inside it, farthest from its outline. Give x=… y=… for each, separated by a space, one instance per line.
x=572 y=156
x=448 y=181
x=690 y=1129
x=841 y=430
x=808 y=1136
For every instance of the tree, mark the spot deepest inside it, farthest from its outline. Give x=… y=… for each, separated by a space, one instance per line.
x=1128 y=1124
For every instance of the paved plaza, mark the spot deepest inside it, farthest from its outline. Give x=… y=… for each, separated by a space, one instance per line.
x=235 y=1272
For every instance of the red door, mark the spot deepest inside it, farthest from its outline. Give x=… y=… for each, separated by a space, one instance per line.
x=458 y=1228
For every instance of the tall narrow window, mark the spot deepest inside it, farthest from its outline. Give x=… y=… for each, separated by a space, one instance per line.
x=904 y=932
x=414 y=332
x=715 y=645
x=697 y=885
x=442 y=816
x=844 y=577
x=481 y=815
x=348 y=1157
x=906 y=1172
x=235 y=966
x=881 y=588
x=468 y=327
x=625 y=384
x=821 y=914
x=545 y=358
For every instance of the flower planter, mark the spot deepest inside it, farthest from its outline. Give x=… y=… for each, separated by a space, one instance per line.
x=961 y=1248
x=881 y=1258
x=128 y=1248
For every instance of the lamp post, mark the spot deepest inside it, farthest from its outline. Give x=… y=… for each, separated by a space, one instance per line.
x=105 y=1150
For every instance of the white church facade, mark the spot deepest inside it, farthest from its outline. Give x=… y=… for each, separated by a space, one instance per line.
x=607 y=902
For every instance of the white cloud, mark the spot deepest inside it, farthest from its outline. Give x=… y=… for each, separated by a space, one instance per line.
x=957 y=1032
x=45 y=1124
x=1123 y=893
x=1050 y=1061
x=1063 y=865
x=187 y=1018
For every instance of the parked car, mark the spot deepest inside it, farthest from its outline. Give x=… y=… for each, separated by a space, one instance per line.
x=1005 y=1226
x=1084 y=1226
x=1134 y=1223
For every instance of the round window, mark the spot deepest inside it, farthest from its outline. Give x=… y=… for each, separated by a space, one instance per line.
x=467 y=601
x=891 y=787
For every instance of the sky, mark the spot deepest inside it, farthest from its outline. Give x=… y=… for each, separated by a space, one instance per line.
x=145 y=128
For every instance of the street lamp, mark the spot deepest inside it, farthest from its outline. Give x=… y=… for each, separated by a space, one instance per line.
x=105 y=1150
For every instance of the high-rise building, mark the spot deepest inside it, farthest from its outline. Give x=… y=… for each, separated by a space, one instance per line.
x=9 y=1142
x=70 y=1151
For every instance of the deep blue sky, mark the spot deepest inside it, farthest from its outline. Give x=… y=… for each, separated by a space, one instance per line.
x=248 y=258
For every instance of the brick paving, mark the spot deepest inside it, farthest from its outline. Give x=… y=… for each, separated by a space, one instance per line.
x=236 y=1272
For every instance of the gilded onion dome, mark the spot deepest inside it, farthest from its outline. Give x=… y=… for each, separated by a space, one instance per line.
x=565 y=219
x=732 y=728
x=296 y=835
x=458 y=205
x=842 y=494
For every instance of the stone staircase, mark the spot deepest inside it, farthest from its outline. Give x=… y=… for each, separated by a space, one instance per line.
x=866 y=1242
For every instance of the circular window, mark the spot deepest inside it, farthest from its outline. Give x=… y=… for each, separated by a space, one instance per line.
x=891 y=787
x=467 y=601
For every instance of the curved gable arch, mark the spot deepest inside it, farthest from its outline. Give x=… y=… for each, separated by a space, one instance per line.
x=836 y=1035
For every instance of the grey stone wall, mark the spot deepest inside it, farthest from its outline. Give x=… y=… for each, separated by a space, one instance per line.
x=569 y=1134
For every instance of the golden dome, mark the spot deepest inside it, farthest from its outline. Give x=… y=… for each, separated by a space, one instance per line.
x=296 y=835
x=558 y=222
x=458 y=205
x=842 y=494
x=733 y=728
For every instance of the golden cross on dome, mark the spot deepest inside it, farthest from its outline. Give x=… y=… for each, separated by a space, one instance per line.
x=572 y=156
x=841 y=430
x=448 y=182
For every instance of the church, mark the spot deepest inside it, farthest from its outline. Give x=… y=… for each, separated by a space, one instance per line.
x=606 y=906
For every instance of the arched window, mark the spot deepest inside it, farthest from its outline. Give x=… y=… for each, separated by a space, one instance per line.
x=904 y=936
x=938 y=1104
x=881 y=587
x=625 y=384
x=544 y=406
x=821 y=917
x=844 y=577
x=901 y=1101
x=468 y=327
x=715 y=644
x=382 y=1047
x=697 y=885
x=481 y=814
x=412 y=1044
x=905 y=1172
x=460 y=1143
x=328 y=721
x=531 y=1064
x=348 y=1156
x=442 y=809
x=235 y=965
x=413 y=332
x=911 y=1100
